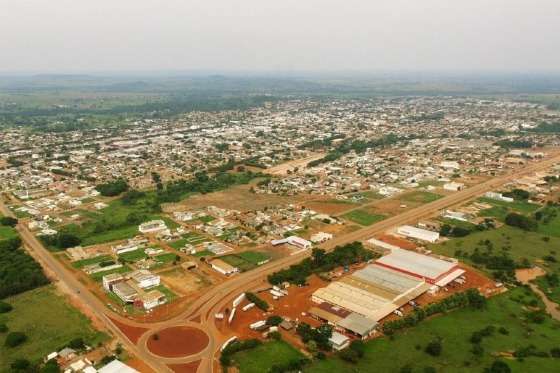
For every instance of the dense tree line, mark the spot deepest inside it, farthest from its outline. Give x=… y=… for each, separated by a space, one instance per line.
x=61 y=240
x=320 y=261
x=518 y=194
x=113 y=188
x=547 y=127
x=260 y=303
x=18 y=271
x=508 y=144
x=319 y=336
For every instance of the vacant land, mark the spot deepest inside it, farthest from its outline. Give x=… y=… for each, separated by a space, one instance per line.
x=245 y=261
x=363 y=217
x=500 y=209
x=115 y=222
x=49 y=323
x=518 y=244
x=420 y=196
x=7 y=232
x=261 y=358
x=454 y=330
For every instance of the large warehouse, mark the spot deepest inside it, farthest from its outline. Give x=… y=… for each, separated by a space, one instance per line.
x=432 y=270
x=373 y=292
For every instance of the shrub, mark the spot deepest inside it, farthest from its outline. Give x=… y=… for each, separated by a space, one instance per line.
x=20 y=365
x=434 y=348
x=15 y=339
x=5 y=307
x=3 y=328
x=253 y=298
x=8 y=221
x=499 y=366
x=274 y=320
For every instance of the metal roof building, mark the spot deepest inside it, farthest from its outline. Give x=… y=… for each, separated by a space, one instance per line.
x=418 y=265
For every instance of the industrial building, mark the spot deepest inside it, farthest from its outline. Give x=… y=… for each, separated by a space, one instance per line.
x=432 y=270
x=373 y=292
x=418 y=233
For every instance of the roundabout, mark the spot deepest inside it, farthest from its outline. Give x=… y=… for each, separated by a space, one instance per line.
x=177 y=342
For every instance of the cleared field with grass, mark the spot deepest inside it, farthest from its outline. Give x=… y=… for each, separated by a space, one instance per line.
x=261 y=358
x=420 y=196
x=116 y=222
x=515 y=242
x=500 y=209
x=49 y=323
x=90 y=261
x=7 y=232
x=133 y=256
x=99 y=275
x=190 y=238
x=254 y=257
x=245 y=261
x=363 y=217
x=454 y=330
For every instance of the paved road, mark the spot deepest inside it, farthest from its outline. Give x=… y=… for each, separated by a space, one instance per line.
x=218 y=297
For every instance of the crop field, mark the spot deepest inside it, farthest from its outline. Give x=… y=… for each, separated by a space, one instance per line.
x=261 y=358
x=517 y=243
x=49 y=322
x=363 y=217
x=454 y=330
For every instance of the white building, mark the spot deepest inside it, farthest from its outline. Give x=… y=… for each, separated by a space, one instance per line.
x=223 y=267
x=418 y=233
x=299 y=242
x=153 y=226
x=145 y=279
x=339 y=341
x=453 y=186
x=498 y=196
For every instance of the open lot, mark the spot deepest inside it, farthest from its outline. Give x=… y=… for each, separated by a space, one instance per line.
x=419 y=196
x=515 y=242
x=363 y=217
x=245 y=261
x=7 y=232
x=454 y=330
x=114 y=222
x=261 y=358
x=500 y=209
x=49 y=323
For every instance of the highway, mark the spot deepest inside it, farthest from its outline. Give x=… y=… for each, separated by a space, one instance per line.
x=215 y=299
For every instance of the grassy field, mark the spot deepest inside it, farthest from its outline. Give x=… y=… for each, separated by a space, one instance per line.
x=552 y=292
x=455 y=329
x=517 y=243
x=7 y=232
x=49 y=323
x=188 y=238
x=133 y=256
x=90 y=261
x=363 y=217
x=114 y=218
x=420 y=196
x=238 y=262
x=204 y=253
x=99 y=275
x=500 y=209
x=261 y=358
x=254 y=257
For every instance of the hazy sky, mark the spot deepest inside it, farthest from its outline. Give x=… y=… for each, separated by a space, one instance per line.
x=287 y=35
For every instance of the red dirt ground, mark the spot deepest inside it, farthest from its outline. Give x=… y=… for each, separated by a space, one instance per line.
x=132 y=332
x=292 y=306
x=139 y=365
x=178 y=341
x=185 y=368
x=400 y=242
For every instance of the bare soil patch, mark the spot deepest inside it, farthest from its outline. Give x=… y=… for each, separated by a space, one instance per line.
x=178 y=341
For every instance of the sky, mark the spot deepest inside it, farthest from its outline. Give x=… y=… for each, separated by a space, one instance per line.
x=70 y=36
